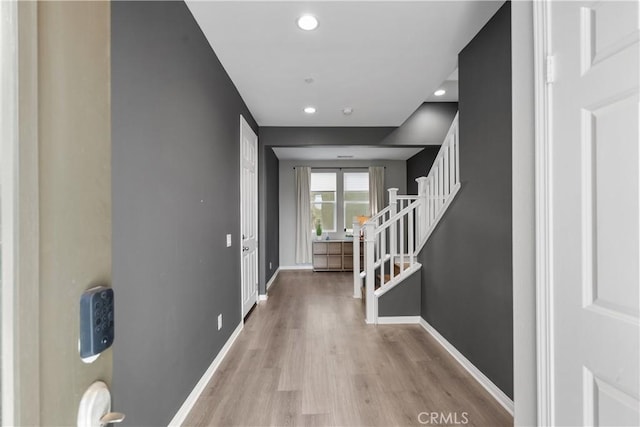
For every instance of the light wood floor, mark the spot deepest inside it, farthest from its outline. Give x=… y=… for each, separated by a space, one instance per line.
x=306 y=357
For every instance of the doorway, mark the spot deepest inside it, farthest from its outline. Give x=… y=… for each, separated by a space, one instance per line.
x=589 y=186
x=248 y=215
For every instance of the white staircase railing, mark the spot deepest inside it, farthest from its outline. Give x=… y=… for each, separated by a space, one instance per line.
x=394 y=237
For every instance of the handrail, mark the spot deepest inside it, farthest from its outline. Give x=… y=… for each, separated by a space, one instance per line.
x=379 y=214
x=396 y=217
x=395 y=235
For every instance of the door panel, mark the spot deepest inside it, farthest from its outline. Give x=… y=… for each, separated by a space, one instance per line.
x=249 y=215
x=595 y=213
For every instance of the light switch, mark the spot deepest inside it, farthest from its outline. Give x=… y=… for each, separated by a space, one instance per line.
x=228 y=240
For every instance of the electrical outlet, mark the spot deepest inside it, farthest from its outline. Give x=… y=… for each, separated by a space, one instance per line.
x=219 y=321
x=270 y=266
x=228 y=240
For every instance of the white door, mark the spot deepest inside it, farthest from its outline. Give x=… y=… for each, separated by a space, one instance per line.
x=248 y=215
x=594 y=214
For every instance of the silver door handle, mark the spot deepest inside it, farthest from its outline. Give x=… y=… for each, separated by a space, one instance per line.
x=245 y=248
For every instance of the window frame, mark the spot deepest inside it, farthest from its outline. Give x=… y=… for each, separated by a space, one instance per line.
x=333 y=202
x=339 y=205
x=349 y=225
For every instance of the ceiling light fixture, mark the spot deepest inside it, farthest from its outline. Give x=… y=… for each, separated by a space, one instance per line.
x=308 y=22
x=309 y=110
x=439 y=92
x=347 y=111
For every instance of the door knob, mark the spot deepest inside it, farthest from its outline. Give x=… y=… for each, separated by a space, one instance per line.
x=245 y=248
x=95 y=407
x=112 y=418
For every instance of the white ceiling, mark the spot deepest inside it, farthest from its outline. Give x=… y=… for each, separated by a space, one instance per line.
x=382 y=58
x=359 y=152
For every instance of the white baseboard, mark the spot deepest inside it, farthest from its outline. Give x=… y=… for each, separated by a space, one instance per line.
x=262 y=298
x=398 y=320
x=485 y=382
x=273 y=278
x=188 y=404
x=297 y=267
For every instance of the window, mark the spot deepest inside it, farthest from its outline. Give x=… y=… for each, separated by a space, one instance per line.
x=356 y=196
x=323 y=200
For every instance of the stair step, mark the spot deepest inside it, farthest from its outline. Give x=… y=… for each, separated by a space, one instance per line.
x=397 y=265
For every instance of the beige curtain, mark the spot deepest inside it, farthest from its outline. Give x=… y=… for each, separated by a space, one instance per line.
x=376 y=189
x=303 y=214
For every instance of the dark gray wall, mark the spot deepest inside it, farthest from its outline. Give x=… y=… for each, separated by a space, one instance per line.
x=467 y=275
x=403 y=300
x=270 y=217
x=175 y=131
x=302 y=136
x=419 y=165
x=428 y=125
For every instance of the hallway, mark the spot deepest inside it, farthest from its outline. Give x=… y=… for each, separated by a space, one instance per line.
x=306 y=357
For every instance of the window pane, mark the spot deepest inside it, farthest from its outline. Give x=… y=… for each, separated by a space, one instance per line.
x=325 y=213
x=356 y=181
x=323 y=196
x=323 y=181
x=356 y=196
x=352 y=210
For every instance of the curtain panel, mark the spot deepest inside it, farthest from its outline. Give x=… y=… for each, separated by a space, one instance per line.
x=303 y=214
x=376 y=189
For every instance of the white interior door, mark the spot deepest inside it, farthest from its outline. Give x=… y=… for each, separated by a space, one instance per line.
x=249 y=215
x=594 y=215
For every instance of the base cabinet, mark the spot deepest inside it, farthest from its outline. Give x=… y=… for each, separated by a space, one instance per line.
x=334 y=255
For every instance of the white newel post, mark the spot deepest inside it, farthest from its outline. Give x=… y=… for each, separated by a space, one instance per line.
x=357 y=292
x=393 y=230
x=421 y=219
x=369 y=245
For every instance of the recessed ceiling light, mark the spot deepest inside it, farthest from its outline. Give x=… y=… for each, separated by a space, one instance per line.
x=345 y=156
x=309 y=80
x=439 y=92
x=309 y=110
x=347 y=111
x=308 y=22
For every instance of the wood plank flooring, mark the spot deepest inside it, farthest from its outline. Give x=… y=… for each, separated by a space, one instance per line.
x=306 y=358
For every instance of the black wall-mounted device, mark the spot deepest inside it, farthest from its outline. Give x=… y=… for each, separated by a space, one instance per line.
x=96 y=321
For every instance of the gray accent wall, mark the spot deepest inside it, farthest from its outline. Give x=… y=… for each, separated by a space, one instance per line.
x=467 y=263
x=403 y=300
x=420 y=165
x=428 y=125
x=395 y=176
x=175 y=159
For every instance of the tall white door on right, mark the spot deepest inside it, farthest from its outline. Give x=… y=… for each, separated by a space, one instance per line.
x=595 y=212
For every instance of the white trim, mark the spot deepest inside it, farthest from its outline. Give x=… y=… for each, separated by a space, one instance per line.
x=263 y=297
x=544 y=207
x=9 y=151
x=485 y=382
x=273 y=279
x=191 y=400
x=397 y=280
x=296 y=267
x=398 y=320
